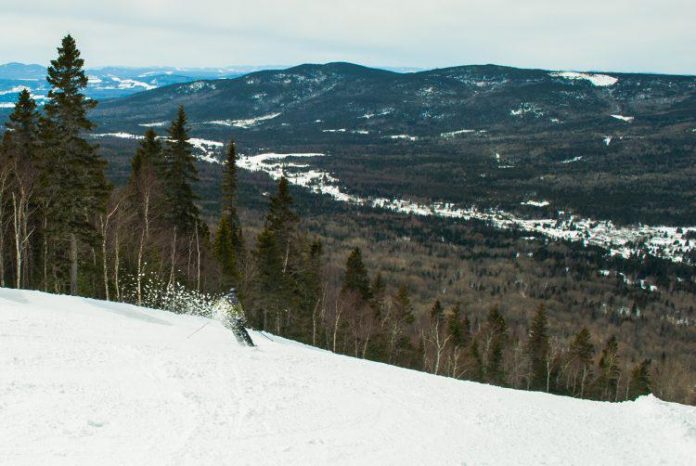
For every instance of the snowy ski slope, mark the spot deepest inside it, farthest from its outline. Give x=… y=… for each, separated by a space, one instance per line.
x=90 y=382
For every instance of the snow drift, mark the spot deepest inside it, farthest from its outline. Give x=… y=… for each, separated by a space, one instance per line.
x=91 y=382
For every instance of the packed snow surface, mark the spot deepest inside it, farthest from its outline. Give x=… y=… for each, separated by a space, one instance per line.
x=89 y=382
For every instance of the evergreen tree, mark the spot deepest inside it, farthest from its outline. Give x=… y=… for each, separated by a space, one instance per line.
x=538 y=350
x=281 y=219
x=229 y=243
x=356 y=279
x=278 y=260
x=78 y=184
x=478 y=372
x=437 y=313
x=23 y=126
x=609 y=370
x=149 y=155
x=268 y=289
x=640 y=379
x=497 y=338
x=397 y=323
x=182 y=211
x=458 y=327
x=224 y=250
x=581 y=354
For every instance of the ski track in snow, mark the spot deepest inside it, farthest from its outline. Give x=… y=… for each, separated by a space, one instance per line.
x=89 y=382
x=667 y=242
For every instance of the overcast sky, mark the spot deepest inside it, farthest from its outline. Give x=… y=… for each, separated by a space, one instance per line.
x=616 y=35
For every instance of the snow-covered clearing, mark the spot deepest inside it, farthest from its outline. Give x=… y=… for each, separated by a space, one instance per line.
x=88 y=382
x=244 y=123
x=599 y=80
x=661 y=241
x=155 y=124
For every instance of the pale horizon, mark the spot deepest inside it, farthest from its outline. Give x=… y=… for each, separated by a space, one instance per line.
x=619 y=36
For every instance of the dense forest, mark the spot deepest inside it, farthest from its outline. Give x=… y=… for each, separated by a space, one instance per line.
x=354 y=284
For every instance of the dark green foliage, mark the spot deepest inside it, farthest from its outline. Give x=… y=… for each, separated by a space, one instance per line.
x=225 y=252
x=581 y=356
x=609 y=371
x=182 y=212
x=497 y=339
x=356 y=279
x=229 y=241
x=478 y=369
x=281 y=219
x=458 y=327
x=640 y=380
x=23 y=126
x=76 y=186
x=538 y=350
x=149 y=155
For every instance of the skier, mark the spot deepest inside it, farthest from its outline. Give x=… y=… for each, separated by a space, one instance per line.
x=229 y=311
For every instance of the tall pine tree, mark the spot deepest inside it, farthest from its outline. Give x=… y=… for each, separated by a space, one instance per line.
x=78 y=184
x=181 y=175
x=229 y=242
x=538 y=349
x=356 y=279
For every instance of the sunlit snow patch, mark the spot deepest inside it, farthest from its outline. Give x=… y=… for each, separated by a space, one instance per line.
x=599 y=80
x=15 y=90
x=244 y=123
x=406 y=137
x=154 y=124
x=536 y=203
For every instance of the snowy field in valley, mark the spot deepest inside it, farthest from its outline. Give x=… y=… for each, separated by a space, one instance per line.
x=90 y=382
x=667 y=242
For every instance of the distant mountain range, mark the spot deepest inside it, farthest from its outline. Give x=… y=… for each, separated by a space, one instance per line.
x=530 y=141
x=351 y=99
x=109 y=82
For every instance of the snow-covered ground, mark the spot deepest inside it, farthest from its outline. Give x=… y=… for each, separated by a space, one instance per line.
x=86 y=382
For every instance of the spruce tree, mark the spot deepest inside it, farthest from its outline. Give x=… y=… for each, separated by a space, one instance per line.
x=23 y=126
x=609 y=370
x=78 y=183
x=478 y=368
x=640 y=380
x=582 y=353
x=229 y=243
x=149 y=155
x=224 y=250
x=497 y=334
x=538 y=350
x=182 y=212
x=356 y=279
x=281 y=219
x=268 y=289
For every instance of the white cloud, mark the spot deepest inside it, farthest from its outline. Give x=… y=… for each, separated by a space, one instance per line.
x=618 y=35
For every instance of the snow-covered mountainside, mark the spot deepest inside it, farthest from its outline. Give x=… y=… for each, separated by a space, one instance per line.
x=91 y=382
x=107 y=82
